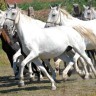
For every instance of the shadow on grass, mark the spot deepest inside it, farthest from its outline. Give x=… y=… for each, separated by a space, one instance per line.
x=7 y=81
x=24 y=89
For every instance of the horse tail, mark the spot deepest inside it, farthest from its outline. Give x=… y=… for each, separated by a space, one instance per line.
x=87 y=33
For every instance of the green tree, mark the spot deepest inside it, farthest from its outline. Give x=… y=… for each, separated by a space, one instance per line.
x=2 y=5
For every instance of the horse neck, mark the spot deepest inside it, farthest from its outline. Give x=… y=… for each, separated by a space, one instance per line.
x=26 y=23
x=67 y=19
x=93 y=13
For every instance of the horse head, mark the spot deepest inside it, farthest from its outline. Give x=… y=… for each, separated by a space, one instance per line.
x=53 y=16
x=89 y=13
x=9 y=24
x=2 y=18
x=76 y=10
x=57 y=16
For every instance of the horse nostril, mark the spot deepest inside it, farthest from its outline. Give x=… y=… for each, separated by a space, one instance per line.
x=46 y=26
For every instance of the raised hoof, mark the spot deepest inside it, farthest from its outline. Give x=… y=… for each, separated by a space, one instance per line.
x=65 y=77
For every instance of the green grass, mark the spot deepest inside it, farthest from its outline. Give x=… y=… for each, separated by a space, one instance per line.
x=39 y=5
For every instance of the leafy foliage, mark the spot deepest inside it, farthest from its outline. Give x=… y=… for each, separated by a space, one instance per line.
x=41 y=4
x=2 y=5
x=38 y=5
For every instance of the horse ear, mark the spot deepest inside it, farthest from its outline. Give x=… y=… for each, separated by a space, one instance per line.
x=58 y=6
x=50 y=6
x=84 y=6
x=15 y=5
x=8 y=5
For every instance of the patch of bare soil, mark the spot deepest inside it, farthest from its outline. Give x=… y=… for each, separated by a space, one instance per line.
x=42 y=14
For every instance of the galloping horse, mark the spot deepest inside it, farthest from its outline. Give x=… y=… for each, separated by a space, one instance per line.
x=58 y=16
x=42 y=43
x=10 y=47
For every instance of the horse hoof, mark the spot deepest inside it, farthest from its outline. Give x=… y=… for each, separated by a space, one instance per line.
x=86 y=77
x=82 y=76
x=65 y=77
x=21 y=84
x=54 y=88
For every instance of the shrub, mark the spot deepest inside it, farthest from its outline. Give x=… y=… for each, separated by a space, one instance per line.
x=2 y=5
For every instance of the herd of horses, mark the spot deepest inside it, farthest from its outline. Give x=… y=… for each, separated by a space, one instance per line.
x=33 y=52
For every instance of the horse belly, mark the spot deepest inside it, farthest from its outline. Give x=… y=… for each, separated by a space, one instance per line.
x=52 y=52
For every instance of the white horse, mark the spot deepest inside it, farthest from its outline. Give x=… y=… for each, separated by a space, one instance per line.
x=2 y=18
x=89 y=13
x=18 y=54
x=10 y=26
x=44 y=43
x=17 y=58
x=58 y=16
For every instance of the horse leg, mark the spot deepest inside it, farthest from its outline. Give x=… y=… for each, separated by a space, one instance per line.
x=53 y=72
x=16 y=58
x=57 y=65
x=69 y=62
x=40 y=66
x=86 y=58
x=75 y=57
x=28 y=59
x=82 y=74
x=85 y=69
x=31 y=76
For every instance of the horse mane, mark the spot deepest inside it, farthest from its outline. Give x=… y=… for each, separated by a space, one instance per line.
x=5 y=36
x=69 y=16
x=85 y=32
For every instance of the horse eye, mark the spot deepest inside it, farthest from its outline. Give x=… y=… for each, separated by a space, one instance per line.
x=53 y=15
x=88 y=13
x=13 y=13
